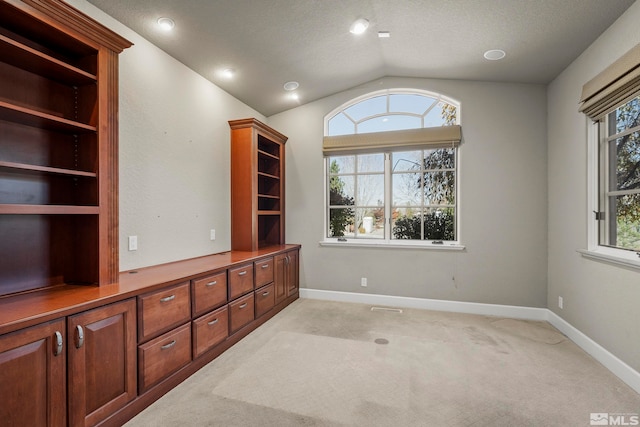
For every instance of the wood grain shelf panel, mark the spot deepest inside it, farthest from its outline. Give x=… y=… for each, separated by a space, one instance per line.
x=267 y=175
x=23 y=167
x=29 y=117
x=28 y=59
x=11 y=209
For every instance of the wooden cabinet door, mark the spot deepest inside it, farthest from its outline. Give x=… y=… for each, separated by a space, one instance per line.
x=102 y=362
x=292 y=273
x=279 y=277
x=32 y=376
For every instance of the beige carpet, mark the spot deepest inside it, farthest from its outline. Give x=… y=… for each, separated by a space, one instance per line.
x=322 y=363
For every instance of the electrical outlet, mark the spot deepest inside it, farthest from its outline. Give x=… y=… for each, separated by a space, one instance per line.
x=363 y=282
x=560 y=303
x=212 y=234
x=133 y=243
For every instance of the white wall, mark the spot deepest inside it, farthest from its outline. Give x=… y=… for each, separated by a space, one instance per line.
x=174 y=154
x=502 y=203
x=599 y=299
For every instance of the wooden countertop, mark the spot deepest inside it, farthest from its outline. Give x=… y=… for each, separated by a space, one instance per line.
x=31 y=308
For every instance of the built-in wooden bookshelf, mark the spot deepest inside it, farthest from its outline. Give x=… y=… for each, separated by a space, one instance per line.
x=257 y=185
x=58 y=147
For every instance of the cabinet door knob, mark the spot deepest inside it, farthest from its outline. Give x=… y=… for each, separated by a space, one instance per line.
x=265 y=266
x=58 y=350
x=167 y=299
x=168 y=346
x=213 y=322
x=79 y=336
x=242 y=305
x=212 y=283
x=242 y=273
x=264 y=294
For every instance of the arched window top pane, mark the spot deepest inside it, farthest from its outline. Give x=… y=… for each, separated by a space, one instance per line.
x=417 y=104
x=341 y=125
x=391 y=122
x=367 y=108
x=391 y=110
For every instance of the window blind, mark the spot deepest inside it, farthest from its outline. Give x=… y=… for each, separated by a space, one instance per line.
x=615 y=85
x=435 y=137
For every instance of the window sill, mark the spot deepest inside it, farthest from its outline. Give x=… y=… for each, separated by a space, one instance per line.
x=352 y=243
x=610 y=258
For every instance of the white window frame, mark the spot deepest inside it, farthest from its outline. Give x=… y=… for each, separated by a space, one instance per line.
x=595 y=250
x=388 y=242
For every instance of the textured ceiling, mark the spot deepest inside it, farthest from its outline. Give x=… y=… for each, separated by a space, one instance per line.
x=269 y=42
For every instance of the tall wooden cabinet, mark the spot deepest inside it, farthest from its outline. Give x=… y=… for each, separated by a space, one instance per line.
x=257 y=185
x=58 y=147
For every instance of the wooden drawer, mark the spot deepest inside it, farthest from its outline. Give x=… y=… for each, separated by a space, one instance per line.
x=162 y=310
x=265 y=299
x=240 y=281
x=264 y=271
x=164 y=355
x=209 y=330
x=240 y=312
x=209 y=292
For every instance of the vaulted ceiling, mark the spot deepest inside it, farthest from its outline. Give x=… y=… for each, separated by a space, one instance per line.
x=270 y=42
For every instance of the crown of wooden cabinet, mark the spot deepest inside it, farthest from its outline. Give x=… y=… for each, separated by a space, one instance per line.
x=58 y=147
x=257 y=185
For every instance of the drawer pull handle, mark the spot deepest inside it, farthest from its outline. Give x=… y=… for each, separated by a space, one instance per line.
x=213 y=322
x=168 y=346
x=242 y=305
x=242 y=273
x=58 y=349
x=264 y=294
x=79 y=336
x=167 y=299
x=265 y=266
x=212 y=283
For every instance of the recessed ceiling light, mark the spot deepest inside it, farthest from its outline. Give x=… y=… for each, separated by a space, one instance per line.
x=384 y=34
x=494 y=54
x=359 y=26
x=166 y=24
x=291 y=85
x=228 y=73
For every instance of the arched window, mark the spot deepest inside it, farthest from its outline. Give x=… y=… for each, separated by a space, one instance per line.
x=391 y=169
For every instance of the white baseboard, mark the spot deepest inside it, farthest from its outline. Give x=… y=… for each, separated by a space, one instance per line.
x=610 y=361
x=510 y=311
x=619 y=368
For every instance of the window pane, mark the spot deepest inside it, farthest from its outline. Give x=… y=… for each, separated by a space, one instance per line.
x=417 y=104
x=368 y=107
x=341 y=125
x=406 y=224
x=626 y=116
x=443 y=158
x=439 y=224
x=628 y=161
x=370 y=190
x=387 y=123
x=342 y=164
x=627 y=225
x=341 y=190
x=439 y=188
x=341 y=222
x=406 y=189
x=406 y=161
x=370 y=223
x=371 y=163
x=441 y=114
